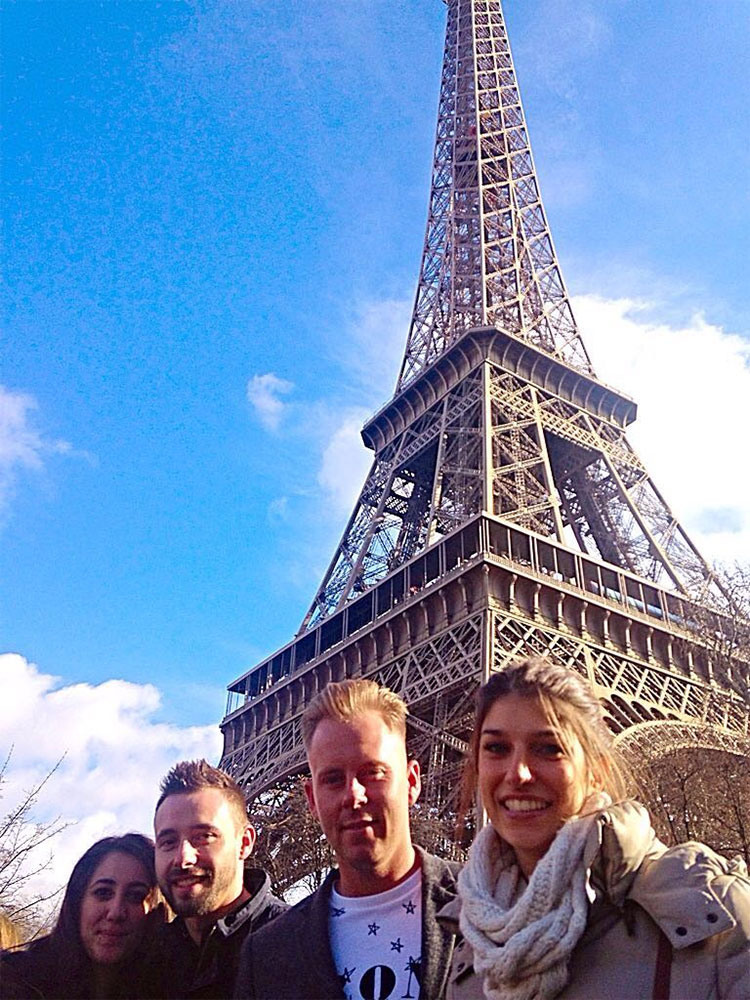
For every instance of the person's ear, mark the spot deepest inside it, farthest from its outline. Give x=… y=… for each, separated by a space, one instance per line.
x=414 y=780
x=310 y=796
x=598 y=774
x=249 y=836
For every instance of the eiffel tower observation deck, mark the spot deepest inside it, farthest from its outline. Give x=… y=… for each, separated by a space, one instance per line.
x=505 y=513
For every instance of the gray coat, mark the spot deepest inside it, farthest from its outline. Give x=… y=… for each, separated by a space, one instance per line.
x=290 y=959
x=691 y=895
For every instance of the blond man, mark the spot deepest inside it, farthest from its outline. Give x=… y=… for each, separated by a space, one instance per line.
x=370 y=930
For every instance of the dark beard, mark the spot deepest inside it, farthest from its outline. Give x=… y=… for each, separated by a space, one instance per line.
x=208 y=901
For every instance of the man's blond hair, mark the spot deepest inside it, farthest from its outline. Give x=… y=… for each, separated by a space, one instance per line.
x=345 y=700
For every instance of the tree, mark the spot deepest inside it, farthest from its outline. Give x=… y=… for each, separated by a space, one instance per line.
x=437 y=832
x=291 y=846
x=21 y=840
x=701 y=794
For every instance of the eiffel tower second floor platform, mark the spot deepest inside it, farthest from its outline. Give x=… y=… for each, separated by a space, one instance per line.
x=503 y=481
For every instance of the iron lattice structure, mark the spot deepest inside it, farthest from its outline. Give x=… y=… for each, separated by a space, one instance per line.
x=505 y=513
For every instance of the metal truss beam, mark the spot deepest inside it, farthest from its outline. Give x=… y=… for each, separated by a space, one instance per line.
x=505 y=513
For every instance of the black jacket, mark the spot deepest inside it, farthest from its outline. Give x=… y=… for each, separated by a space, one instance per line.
x=37 y=971
x=291 y=959
x=208 y=970
x=49 y=969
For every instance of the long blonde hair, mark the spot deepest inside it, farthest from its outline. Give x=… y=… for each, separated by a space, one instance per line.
x=573 y=710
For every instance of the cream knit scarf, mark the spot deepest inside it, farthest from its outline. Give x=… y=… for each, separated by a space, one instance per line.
x=522 y=934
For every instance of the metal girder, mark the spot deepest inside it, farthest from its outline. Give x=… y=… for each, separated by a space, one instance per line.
x=505 y=514
x=488 y=257
x=445 y=658
x=651 y=740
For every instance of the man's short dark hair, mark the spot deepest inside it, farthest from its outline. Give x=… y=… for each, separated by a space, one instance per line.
x=195 y=775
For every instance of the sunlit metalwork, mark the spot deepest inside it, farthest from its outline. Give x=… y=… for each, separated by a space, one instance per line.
x=505 y=513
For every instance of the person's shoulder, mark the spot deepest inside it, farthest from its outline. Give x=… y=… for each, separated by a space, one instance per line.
x=268 y=912
x=272 y=963
x=727 y=878
x=27 y=970
x=693 y=892
x=170 y=931
x=698 y=863
x=249 y=916
x=263 y=904
x=274 y=908
x=437 y=869
x=283 y=917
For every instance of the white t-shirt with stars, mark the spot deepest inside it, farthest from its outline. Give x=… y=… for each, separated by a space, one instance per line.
x=376 y=942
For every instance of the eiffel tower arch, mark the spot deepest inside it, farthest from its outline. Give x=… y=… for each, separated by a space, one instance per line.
x=505 y=513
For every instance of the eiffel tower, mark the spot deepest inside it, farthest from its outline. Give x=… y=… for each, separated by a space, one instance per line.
x=505 y=513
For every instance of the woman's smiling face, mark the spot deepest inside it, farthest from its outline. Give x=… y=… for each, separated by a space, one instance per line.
x=113 y=908
x=529 y=782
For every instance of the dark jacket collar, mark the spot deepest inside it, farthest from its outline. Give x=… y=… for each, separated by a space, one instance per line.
x=258 y=884
x=438 y=888
x=317 y=946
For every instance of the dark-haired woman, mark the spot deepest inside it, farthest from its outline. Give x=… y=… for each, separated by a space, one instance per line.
x=98 y=948
x=567 y=891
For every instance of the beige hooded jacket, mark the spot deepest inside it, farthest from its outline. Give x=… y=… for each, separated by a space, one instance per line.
x=699 y=900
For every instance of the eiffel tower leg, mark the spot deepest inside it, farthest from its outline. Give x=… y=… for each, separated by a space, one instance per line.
x=505 y=514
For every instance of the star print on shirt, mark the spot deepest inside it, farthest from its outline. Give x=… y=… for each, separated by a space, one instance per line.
x=396 y=945
x=373 y=929
x=409 y=907
x=336 y=912
x=346 y=975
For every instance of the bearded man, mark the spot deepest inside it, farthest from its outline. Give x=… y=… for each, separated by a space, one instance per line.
x=203 y=840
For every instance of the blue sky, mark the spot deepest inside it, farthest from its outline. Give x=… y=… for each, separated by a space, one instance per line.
x=214 y=216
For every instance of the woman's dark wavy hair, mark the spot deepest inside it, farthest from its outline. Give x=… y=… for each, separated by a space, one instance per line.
x=67 y=930
x=57 y=965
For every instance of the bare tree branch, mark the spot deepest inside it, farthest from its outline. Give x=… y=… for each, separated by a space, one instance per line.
x=20 y=841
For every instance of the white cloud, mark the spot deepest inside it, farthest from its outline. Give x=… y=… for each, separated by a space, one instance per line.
x=22 y=446
x=345 y=462
x=278 y=509
x=115 y=754
x=263 y=392
x=691 y=382
x=376 y=338
x=560 y=38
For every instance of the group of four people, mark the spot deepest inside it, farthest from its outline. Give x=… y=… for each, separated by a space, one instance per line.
x=566 y=893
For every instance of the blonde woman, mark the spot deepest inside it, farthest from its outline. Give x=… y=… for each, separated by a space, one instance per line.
x=567 y=891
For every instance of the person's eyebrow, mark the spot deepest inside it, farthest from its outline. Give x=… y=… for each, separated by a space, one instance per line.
x=544 y=733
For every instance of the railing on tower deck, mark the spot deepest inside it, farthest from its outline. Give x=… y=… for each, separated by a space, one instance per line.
x=484 y=537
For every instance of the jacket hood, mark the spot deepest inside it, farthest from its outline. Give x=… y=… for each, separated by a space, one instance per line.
x=679 y=887
x=621 y=840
